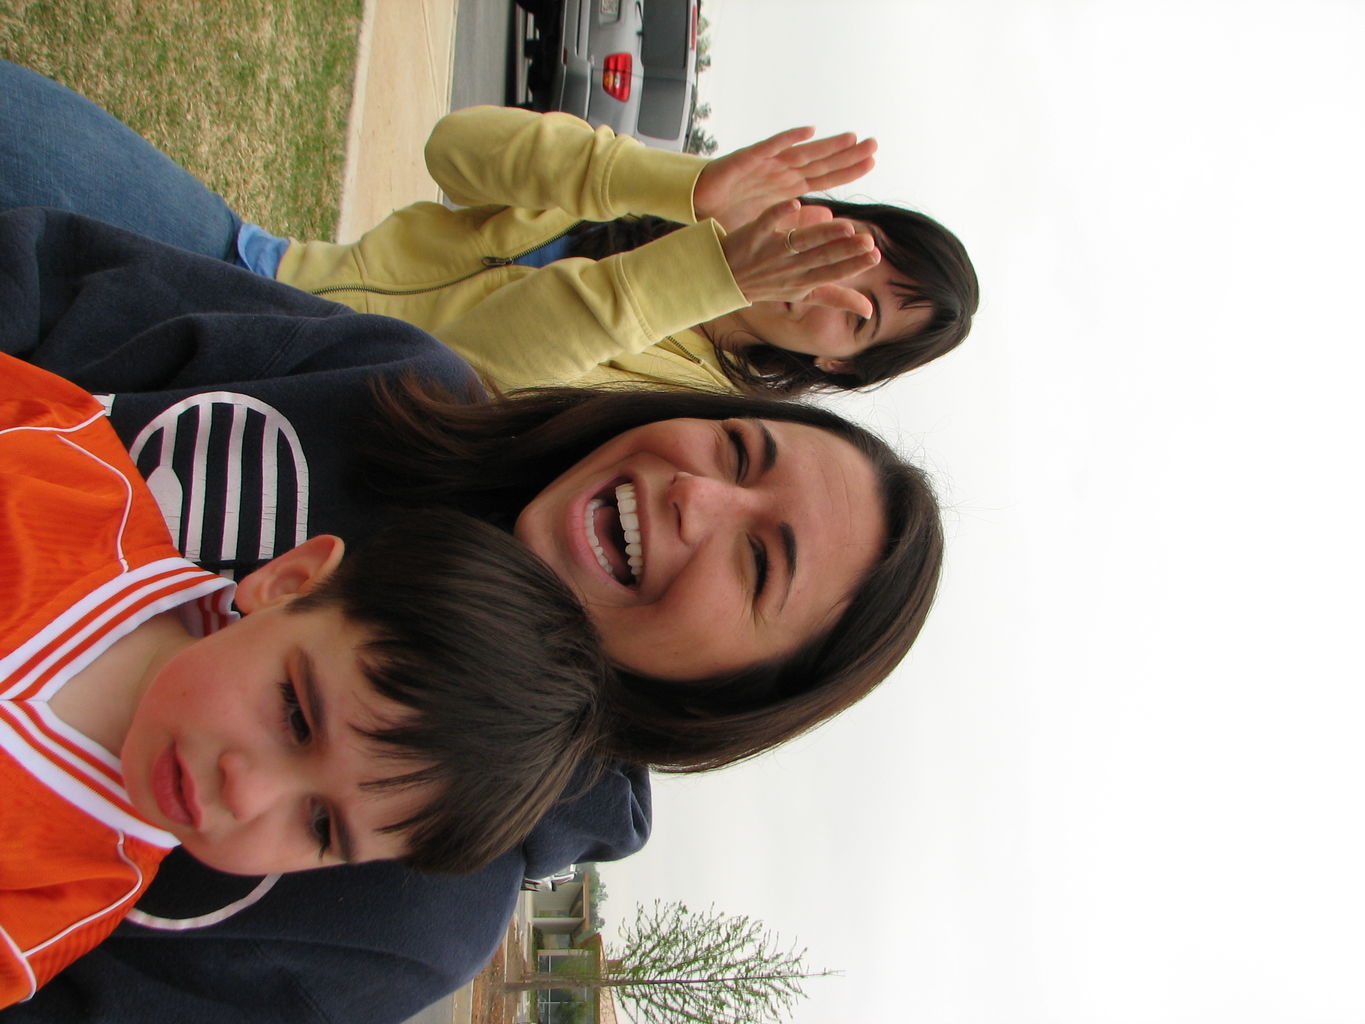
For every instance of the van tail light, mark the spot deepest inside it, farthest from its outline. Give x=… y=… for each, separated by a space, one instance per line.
x=616 y=76
x=692 y=35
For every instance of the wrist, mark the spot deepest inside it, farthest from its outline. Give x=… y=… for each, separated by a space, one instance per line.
x=704 y=205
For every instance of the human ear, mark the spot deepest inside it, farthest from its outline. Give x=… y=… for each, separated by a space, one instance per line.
x=297 y=571
x=833 y=365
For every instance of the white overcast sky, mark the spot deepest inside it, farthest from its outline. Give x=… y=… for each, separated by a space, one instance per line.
x=1120 y=778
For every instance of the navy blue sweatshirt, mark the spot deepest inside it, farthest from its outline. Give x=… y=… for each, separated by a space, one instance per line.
x=240 y=399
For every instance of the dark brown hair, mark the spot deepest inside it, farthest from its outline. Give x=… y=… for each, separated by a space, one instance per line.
x=492 y=460
x=937 y=273
x=496 y=666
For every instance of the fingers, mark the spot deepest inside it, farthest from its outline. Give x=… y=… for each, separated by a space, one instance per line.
x=815 y=158
x=816 y=237
x=829 y=260
x=837 y=297
x=836 y=261
x=813 y=214
x=787 y=251
x=808 y=238
x=779 y=216
x=826 y=154
x=775 y=144
x=827 y=148
x=846 y=164
x=831 y=263
x=734 y=188
x=840 y=176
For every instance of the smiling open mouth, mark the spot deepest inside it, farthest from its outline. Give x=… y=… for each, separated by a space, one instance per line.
x=613 y=531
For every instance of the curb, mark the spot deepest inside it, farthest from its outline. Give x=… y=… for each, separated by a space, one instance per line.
x=404 y=64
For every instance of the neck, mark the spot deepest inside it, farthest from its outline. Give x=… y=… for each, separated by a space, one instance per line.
x=708 y=329
x=100 y=700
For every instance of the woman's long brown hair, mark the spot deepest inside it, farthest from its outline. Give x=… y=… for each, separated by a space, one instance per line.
x=490 y=460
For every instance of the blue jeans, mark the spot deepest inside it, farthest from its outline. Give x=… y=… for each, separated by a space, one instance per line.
x=59 y=149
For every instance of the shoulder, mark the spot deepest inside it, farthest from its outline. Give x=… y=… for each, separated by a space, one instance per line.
x=68 y=879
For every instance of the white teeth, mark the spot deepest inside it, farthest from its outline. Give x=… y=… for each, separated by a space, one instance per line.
x=591 y=534
x=630 y=528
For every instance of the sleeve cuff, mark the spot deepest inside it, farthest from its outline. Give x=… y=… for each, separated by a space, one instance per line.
x=678 y=300
x=645 y=180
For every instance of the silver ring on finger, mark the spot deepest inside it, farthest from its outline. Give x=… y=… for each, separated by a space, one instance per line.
x=791 y=248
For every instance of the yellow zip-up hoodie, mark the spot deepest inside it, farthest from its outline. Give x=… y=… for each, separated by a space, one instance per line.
x=524 y=180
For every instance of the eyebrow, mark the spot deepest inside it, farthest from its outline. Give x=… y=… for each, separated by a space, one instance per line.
x=788 y=534
x=789 y=549
x=317 y=707
x=769 y=445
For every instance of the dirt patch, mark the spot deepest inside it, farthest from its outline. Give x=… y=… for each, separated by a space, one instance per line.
x=490 y=1002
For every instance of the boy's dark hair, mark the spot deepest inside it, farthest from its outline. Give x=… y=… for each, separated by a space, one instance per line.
x=498 y=670
x=935 y=272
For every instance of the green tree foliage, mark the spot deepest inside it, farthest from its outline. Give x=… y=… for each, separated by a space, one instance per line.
x=597 y=894
x=699 y=140
x=703 y=42
x=681 y=967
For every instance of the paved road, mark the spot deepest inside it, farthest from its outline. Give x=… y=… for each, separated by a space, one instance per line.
x=484 y=34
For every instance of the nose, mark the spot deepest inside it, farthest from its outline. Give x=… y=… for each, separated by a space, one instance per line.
x=704 y=504
x=251 y=787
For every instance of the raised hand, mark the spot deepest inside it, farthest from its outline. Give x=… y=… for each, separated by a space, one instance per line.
x=736 y=188
x=795 y=253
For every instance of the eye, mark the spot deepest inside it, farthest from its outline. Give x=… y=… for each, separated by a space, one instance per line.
x=858 y=322
x=760 y=554
x=741 y=453
x=294 y=718
x=320 y=825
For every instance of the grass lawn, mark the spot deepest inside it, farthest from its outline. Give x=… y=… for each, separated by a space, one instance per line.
x=252 y=96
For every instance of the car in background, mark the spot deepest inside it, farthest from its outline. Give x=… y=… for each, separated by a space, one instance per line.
x=627 y=64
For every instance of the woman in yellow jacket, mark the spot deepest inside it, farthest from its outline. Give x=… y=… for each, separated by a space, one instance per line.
x=552 y=272
x=788 y=299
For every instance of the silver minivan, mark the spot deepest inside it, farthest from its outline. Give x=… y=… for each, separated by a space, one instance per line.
x=628 y=64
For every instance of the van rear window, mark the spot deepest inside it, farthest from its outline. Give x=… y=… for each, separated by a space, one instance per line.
x=663 y=105
x=666 y=27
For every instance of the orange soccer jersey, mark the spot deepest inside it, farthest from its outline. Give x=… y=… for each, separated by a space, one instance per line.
x=84 y=559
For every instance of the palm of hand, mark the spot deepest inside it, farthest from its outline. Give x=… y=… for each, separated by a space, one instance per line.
x=735 y=189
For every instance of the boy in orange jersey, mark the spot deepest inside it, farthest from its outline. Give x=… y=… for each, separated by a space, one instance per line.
x=331 y=724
